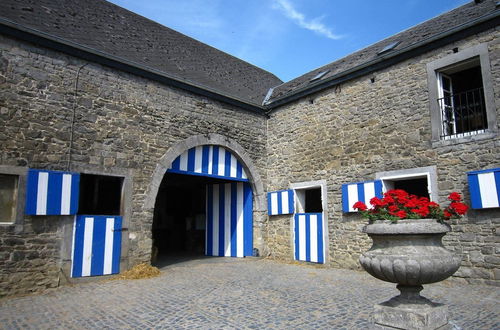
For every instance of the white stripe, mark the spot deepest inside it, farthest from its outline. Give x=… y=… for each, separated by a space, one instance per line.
x=243 y=173
x=41 y=194
x=369 y=191
x=313 y=226
x=66 y=194
x=108 y=246
x=284 y=202
x=227 y=220
x=222 y=160
x=234 y=163
x=215 y=220
x=87 y=246
x=198 y=157
x=274 y=203
x=302 y=237
x=210 y=159
x=488 y=189
x=352 y=195
x=239 y=224
x=183 y=166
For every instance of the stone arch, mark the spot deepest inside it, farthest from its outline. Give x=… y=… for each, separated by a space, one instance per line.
x=199 y=140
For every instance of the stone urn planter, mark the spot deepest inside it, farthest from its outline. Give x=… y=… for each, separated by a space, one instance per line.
x=409 y=253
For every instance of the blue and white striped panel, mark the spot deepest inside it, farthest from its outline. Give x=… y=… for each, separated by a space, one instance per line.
x=360 y=192
x=52 y=193
x=280 y=202
x=97 y=243
x=229 y=220
x=209 y=160
x=309 y=239
x=484 y=187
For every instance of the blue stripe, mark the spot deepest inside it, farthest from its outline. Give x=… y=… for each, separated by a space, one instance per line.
x=191 y=157
x=239 y=169
x=176 y=164
x=54 y=194
x=247 y=220
x=78 y=246
x=215 y=160
x=210 y=221
x=280 y=203
x=31 y=192
x=234 y=215
x=345 y=198
x=475 y=194
x=308 y=237
x=98 y=240
x=291 y=204
x=361 y=193
x=378 y=189
x=117 y=246
x=497 y=183
x=297 y=242
x=269 y=203
x=75 y=192
x=227 y=161
x=208 y=175
x=221 y=219
x=485 y=171
x=204 y=159
x=321 y=257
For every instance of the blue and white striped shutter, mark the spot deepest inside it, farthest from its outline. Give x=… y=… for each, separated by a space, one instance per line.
x=484 y=187
x=309 y=237
x=280 y=202
x=97 y=243
x=209 y=160
x=52 y=193
x=229 y=230
x=360 y=192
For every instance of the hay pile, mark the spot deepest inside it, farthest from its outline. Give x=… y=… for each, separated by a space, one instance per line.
x=139 y=271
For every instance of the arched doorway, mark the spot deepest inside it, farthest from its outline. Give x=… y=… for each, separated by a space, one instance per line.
x=203 y=206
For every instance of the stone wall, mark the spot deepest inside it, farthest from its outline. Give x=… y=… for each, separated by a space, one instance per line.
x=349 y=133
x=124 y=124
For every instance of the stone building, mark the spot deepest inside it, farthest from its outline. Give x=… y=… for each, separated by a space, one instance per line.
x=122 y=139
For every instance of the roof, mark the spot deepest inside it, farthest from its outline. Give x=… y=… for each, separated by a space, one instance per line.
x=109 y=29
x=404 y=41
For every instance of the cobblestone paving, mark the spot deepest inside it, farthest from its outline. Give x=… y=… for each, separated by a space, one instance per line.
x=225 y=293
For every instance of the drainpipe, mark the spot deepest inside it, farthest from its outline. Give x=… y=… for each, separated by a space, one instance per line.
x=73 y=118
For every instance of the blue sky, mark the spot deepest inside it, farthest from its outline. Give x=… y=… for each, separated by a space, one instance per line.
x=289 y=37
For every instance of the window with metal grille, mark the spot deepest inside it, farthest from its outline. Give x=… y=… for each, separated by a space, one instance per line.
x=461 y=100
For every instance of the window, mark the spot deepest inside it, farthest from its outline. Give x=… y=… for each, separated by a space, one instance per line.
x=420 y=181
x=100 y=195
x=461 y=95
x=310 y=197
x=8 y=197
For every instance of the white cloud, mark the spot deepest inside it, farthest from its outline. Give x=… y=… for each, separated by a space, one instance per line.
x=314 y=24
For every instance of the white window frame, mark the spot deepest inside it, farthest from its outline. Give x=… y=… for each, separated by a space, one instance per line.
x=429 y=172
x=434 y=68
x=20 y=193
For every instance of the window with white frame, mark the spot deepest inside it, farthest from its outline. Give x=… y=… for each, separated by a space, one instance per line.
x=461 y=95
x=8 y=197
x=416 y=181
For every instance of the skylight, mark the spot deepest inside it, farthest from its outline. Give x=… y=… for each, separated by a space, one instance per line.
x=319 y=75
x=389 y=47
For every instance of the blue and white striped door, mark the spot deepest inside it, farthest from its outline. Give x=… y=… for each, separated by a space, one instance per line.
x=229 y=229
x=309 y=241
x=96 y=245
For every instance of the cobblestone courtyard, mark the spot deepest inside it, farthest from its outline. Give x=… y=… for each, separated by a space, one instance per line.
x=216 y=293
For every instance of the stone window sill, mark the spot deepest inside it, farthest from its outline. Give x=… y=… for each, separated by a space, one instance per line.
x=465 y=139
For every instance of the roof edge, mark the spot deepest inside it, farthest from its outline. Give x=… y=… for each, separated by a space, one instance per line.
x=383 y=61
x=24 y=33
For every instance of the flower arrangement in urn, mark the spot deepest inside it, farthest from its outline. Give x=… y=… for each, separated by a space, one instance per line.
x=397 y=204
x=407 y=250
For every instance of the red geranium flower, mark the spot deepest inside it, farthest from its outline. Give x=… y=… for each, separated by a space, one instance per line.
x=401 y=214
x=454 y=196
x=459 y=208
x=360 y=206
